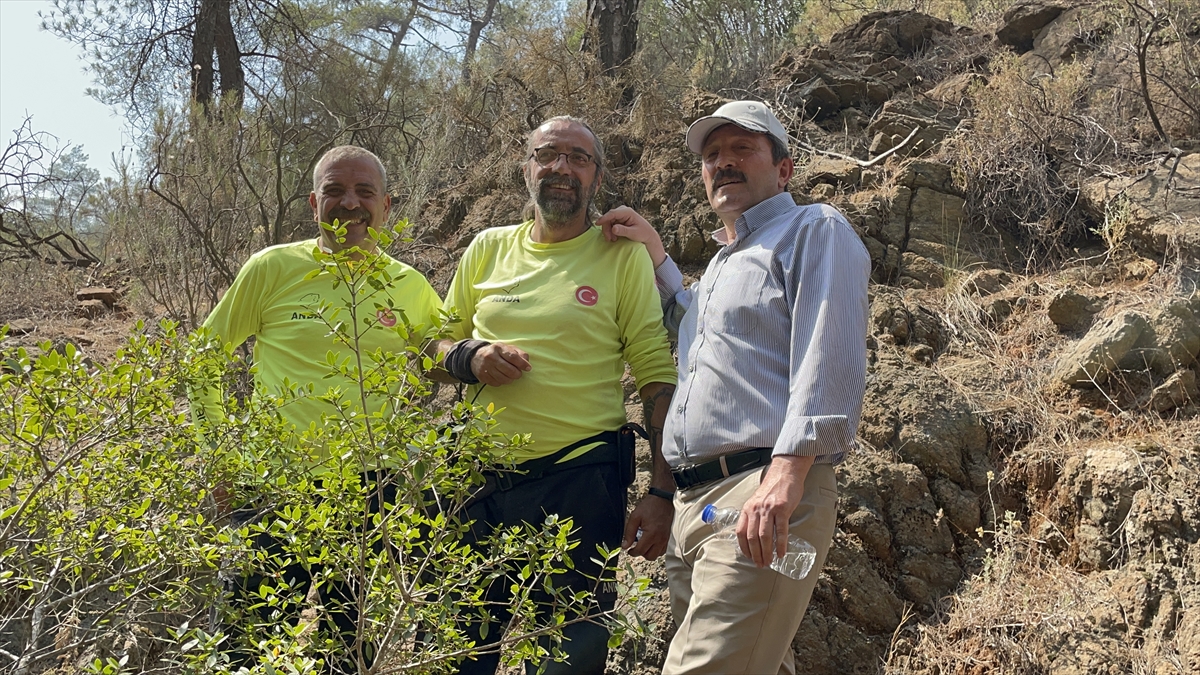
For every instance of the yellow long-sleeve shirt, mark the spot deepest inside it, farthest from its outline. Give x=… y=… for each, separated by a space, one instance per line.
x=272 y=299
x=581 y=309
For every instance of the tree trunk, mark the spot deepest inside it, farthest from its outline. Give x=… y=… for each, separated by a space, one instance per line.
x=203 y=43
x=615 y=23
x=229 y=56
x=214 y=34
x=473 y=35
x=398 y=34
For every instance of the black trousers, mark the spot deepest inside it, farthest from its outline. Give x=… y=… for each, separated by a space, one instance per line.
x=338 y=595
x=593 y=496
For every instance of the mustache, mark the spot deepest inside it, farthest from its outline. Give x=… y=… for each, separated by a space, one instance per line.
x=344 y=215
x=728 y=172
x=559 y=181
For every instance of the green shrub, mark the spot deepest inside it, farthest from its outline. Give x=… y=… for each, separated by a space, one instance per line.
x=115 y=533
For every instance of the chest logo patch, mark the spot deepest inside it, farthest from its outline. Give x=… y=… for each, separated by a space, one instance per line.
x=386 y=317
x=586 y=295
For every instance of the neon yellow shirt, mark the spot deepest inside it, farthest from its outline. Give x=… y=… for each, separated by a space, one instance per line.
x=581 y=309
x=272 y=300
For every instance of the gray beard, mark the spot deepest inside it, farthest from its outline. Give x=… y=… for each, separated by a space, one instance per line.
x=558 y=211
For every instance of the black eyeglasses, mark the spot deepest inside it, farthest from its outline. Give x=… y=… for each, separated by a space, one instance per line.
x=546 y=156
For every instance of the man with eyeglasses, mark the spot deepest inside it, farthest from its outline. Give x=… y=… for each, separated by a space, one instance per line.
x=550 y=314
x=772 y=370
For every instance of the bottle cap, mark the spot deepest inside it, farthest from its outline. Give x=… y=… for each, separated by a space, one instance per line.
x=709 y=512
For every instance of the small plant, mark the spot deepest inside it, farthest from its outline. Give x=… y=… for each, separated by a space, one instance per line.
x=118 y=551
x=1114 y=231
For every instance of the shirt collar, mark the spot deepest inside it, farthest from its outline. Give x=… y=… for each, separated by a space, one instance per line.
x=756 y=216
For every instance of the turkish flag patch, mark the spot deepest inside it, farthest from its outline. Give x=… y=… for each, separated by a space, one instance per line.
x=586 y=295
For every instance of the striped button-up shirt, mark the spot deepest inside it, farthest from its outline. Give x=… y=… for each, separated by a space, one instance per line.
x=772 y=339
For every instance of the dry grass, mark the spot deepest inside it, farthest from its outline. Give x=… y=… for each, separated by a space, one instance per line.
x=1026 y=609
x=35 y=290
x=1021 y=613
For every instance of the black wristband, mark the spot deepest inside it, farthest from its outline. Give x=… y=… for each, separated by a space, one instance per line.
x=458 y=360
x=669 y=496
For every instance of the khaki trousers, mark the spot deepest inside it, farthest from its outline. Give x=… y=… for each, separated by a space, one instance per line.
x=734 y=618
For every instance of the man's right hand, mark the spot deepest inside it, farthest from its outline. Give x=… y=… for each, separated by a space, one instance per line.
x=499 y=364
x=625 y=222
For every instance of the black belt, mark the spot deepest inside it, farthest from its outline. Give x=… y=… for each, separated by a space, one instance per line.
x=687 y=477
x=616 y=447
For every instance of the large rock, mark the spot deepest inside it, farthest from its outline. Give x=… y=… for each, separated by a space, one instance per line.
x=1071 y=310
x=900 y=118
x=822 y=85
x=106 y=295
x=912 y=411
x=924 y=173
x=829 y=645
x=892 y=321
x=91 y=309
x=1129 y=503
x=1178 y=391
x=899 y=34
x=1023 y=21
x=839 y=173
x=21 y=327
x=1170 y=342
x=862 y=66
x=898 y=498
x=1071 y=34
x=1095 y=495
x=956 y=90
x=1092 y=359
x=1157 y=213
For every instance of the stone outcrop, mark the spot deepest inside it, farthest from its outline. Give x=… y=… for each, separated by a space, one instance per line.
x=107 y=296
x=1024 y=21
x=1171 y=339
x=1156 y=211
x=1071 y=310
x=1094 y=358
x=1178 y=391
x=862 y=66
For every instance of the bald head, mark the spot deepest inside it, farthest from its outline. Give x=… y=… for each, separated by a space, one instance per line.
x=352 y=152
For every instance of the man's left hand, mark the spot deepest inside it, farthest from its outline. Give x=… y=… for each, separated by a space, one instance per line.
x=653 y=515
x=762 y=529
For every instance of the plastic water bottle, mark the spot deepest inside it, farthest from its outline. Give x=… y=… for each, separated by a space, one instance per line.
x=796 y=563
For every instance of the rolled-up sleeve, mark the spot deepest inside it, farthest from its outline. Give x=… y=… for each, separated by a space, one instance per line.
x=828 y=358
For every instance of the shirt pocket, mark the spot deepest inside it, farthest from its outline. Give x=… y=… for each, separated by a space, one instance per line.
x=733 y=305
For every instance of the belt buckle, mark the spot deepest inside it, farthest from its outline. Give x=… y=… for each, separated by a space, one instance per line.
x=683 y=473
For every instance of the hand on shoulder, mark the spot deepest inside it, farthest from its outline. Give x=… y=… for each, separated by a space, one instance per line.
x=625 y=222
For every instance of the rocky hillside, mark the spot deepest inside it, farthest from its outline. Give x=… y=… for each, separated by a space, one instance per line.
x=1027 y=493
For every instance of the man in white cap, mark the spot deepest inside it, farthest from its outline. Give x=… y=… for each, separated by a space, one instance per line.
x=772 y=369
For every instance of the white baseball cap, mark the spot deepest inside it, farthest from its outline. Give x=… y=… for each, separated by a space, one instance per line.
x=749 y=115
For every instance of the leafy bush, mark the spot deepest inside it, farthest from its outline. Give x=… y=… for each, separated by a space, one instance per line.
x=117 y=542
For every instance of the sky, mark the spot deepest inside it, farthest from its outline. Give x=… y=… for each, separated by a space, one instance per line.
x=42 y=75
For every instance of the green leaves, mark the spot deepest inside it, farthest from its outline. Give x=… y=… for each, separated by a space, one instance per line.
x=115 y=504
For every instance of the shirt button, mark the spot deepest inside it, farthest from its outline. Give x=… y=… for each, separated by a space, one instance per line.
x=700 y=329
x=679 y=408
x=691 y=367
